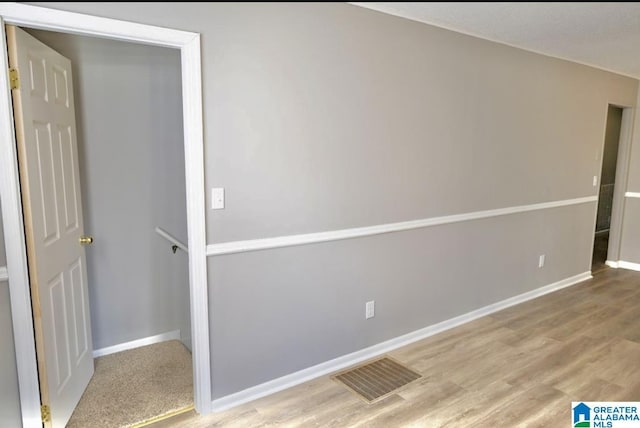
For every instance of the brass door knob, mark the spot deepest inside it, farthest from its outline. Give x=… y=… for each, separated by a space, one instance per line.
x=86 y=240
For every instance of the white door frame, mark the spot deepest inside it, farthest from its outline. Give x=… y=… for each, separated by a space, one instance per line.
x=189 y=45
x=620 y=183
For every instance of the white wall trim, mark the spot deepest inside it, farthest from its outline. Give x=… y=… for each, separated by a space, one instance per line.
x=171 y=335
x=189 y=45
x=4 y=276
x=629 y=265
x=77 y=23
x=620 y=179
x=339 y=363
x=624 y=265
x=15 y=246
x=632 y=195
x=335 y=235
x=612 y=264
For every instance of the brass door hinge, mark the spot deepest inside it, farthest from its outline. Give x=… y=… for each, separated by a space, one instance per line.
x=14 y=79
x=45 y=412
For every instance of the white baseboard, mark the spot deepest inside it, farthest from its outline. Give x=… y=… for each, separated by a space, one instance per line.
x=623 y=265
x=171 y=335
x=186 y=341
x=339 y=363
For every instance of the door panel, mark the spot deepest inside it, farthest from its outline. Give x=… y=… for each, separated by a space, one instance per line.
x=57 y=312
x=50 y=184
x=68 y=184
x=79 y=311
x=45 y=193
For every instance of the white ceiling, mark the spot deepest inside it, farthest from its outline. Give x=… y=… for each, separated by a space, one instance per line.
x=603 y=35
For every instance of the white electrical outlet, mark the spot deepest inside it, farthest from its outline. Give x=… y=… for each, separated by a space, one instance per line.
x=595 y=180
x=217 y=198
x=370 y=309
x=541 y=261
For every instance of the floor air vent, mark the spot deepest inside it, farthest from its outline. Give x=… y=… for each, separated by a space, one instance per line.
x=376 y=380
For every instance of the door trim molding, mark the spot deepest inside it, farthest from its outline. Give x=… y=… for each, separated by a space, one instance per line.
x=621 y=181
x=189 y=45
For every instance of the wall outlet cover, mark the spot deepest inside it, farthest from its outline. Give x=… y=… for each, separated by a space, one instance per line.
x=370 y=309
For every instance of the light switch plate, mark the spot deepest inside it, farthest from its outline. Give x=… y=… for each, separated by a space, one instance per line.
x=217 y=198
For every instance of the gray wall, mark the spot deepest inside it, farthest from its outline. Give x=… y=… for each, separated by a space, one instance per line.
x=9 y=396
x=329 y=116
x=129 y=119
x=314 y=296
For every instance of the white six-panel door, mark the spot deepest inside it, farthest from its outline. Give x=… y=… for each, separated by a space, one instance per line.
x=50 y=184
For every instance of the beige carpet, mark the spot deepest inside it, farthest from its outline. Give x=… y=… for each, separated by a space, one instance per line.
x=133 y=386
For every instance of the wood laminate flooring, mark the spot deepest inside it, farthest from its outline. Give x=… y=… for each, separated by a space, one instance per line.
x=520 y=367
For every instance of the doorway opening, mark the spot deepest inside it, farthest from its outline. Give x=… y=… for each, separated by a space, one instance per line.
x=128 y=106
x=22 y=317
x=606 y=189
